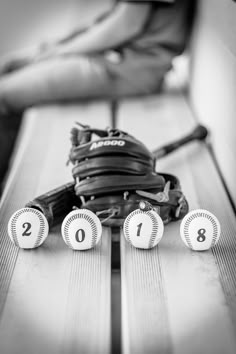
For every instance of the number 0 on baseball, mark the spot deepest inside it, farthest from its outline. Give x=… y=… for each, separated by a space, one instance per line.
x=81 y=229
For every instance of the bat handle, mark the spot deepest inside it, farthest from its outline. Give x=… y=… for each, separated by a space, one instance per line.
x=56 y=203
x=199 y=133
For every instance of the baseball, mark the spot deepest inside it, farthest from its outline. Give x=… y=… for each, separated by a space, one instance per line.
x=143 y=229
x=28 y=228
x=81 y=229
x=200 y=230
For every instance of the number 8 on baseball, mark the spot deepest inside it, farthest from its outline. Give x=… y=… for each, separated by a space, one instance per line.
x=200 y=230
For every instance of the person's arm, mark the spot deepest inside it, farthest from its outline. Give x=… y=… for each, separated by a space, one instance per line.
x=125 y=22
x=122 y=23
x=78 y=31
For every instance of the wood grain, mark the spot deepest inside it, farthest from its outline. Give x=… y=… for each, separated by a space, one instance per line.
x=53 y=299
x=198 y=287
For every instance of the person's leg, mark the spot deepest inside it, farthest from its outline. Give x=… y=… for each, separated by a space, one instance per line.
x=59 y=80
x=55 y=80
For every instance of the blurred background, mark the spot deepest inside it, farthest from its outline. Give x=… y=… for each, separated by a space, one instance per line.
x=25 y=23
x=213 y=80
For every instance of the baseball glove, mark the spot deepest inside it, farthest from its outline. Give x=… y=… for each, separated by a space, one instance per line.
x=114 y=173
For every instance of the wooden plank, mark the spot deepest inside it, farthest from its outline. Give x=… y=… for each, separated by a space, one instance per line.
x=198 y=288
x=145 y=326
x=52 y=299
x=58 y=299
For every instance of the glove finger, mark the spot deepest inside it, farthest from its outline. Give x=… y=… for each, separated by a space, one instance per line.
x=111 y=164
x=115 y=183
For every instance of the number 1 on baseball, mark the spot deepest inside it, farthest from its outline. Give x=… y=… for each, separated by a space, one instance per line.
x=143 y=229
x=139 y=228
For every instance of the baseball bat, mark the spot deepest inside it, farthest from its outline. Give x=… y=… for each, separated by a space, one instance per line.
x=56 y=203
x=199 y=133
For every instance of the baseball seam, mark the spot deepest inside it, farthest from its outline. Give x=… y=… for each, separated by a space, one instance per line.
x=126 y=228
x=155 y=229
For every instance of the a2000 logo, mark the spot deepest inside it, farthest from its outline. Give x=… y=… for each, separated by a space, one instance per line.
x=98 y=144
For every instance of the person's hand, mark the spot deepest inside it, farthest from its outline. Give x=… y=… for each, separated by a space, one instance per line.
x=13 y=62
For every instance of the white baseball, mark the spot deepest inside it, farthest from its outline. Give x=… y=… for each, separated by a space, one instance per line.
x=81 y=229
x=28 y=228
x=200 y=230
x=143 y=229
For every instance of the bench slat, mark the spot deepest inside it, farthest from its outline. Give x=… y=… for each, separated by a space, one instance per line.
x=197 y=284
x=59 y=299
x=145 y=326
x=52 y=298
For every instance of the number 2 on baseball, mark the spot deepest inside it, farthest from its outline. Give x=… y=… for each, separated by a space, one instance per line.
x=27 y=226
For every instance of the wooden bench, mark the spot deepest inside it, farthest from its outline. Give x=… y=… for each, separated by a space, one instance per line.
x=110 y=300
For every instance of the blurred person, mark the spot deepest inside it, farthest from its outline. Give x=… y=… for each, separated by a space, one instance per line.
x=125 y=52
